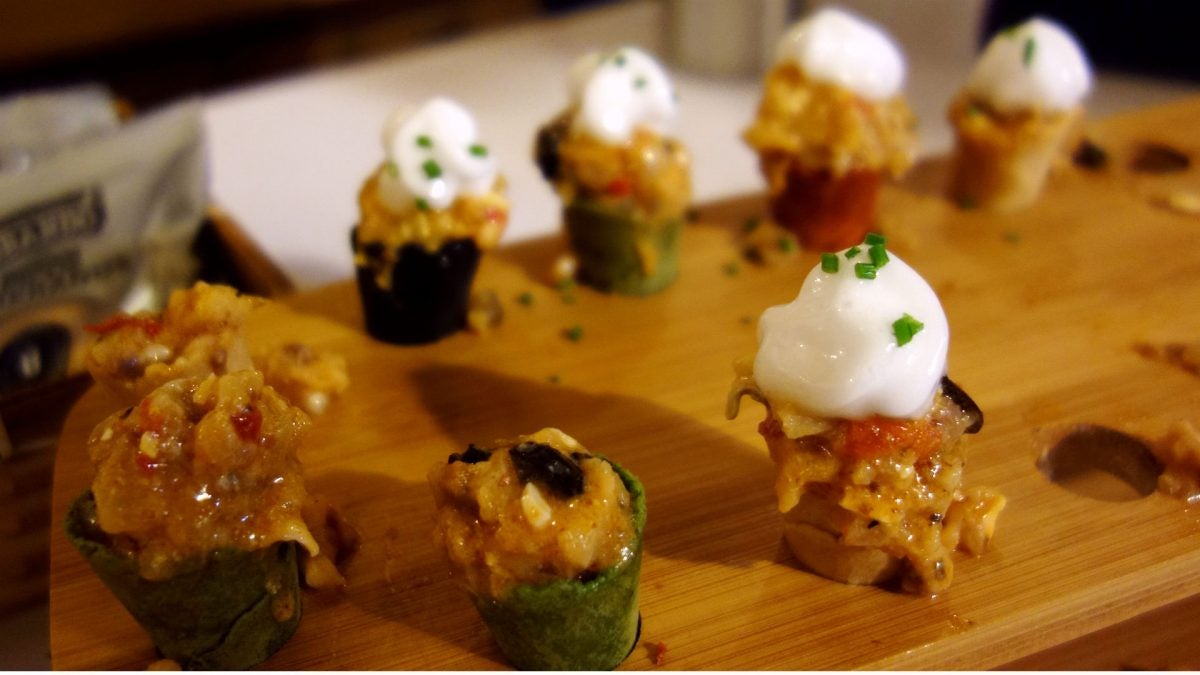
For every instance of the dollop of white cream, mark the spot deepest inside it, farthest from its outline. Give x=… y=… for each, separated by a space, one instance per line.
x=617 y=91
x=836 y=47
x=433 y=156
x=1037 y=64
x=833 y=352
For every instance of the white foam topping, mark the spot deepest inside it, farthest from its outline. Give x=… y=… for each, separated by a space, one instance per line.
x=619 y=90
x=834 y=351
x=1037 y=64
x=836 y=47
x=433 y=156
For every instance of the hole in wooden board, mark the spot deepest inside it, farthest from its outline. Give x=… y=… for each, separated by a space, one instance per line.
x=1101 y=463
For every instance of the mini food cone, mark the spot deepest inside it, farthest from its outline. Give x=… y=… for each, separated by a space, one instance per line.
x=428 y=294
x=827 y=212
x=618 y=252
x=228 y=612
x=1001 y=162
x=571 y=624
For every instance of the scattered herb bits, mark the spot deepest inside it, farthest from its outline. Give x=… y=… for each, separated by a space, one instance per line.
x=731 y=269
x=478 y=150
x=525 y=298
x=432 y=169
x=574 y=333
x=905 y=328
x=829 y=263
x=852 y=251
x=1028 y=52
x=865 y=270
x=424 y=141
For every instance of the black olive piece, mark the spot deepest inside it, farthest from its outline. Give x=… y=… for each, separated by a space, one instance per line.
x=1089 y=155
x=1159 y=158
x=541 y=463
x=545 y=149
x=961 y=399
x=473 y=455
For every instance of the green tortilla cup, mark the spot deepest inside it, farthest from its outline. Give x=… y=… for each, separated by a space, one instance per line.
x=570 y=624
x=606 y=245
x=229 y=611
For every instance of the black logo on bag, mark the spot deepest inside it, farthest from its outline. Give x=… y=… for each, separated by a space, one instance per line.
x=66 y=218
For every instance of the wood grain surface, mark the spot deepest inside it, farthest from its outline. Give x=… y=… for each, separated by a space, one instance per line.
x=1045 y=308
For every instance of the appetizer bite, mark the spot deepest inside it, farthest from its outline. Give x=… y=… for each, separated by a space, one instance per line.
x=624 y=184
x=1015 y=115
x=864 y=426
x=832 y=122
x=547 y=540
x=426 y=215
x=194 y=519
x=200 y=332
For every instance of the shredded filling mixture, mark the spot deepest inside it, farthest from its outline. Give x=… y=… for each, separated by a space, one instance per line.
x=530 y=511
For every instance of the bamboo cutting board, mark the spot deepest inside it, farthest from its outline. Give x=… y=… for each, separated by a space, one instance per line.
x=1045 y=308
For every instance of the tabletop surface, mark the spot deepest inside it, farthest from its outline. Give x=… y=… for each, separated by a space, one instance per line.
x=1053 y=312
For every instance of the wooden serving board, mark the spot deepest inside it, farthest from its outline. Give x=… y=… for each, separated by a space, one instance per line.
x=1045 y=308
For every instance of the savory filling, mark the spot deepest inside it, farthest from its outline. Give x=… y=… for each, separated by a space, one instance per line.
x=530 y=511
x=897 y=483
x=201 y=464
x=480 y=217
x=975 y=119
x=819 y=127
x=200 y=333
x=649 y=175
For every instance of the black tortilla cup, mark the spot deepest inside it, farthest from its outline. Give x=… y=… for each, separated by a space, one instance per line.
x=572 y=624
x=429 y=292
x=229 y=611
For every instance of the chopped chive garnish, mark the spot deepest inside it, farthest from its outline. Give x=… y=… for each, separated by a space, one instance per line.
x=746 y=320
x=392 y=169
x=1012 y=236
x=478 y=150
x=750 y=225
x=875 y=239
x=967 y=203
x=905 y=328
x=787 y=245
x=731 y=269
x=853 y=251
x=639 y=83
x=554 y=379
x=422 y=205
x=525 y=298
x=829 y=263
x=565 y=284
x=1027 y=54
x=865 y=270
x=424 y=141
x=574 y=333
x=432 y=169
x=879 y=256
x=619 y=59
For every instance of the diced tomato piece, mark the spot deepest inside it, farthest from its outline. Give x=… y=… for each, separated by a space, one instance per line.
x=247 y=423
x=149 y=325
x=877 y=436
x=620 y=186
x=494 y=215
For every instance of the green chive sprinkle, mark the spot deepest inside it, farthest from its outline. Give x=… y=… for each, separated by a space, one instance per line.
x=875 y=239
x=478 y=150
x=619 y=59
x=424 y=141
x=1012 y=236
x=879 y=256
x=787 y=245
x=829 y=263
x=554 y=379
x=865 y=270
x=639 y=83
x=432 y=169
x=574 y=333
x=746 y=320
x=853 y=251
x=392 y=169
x=565 y=284
x=1027 y=54
x=750 y=225
x=525 y=298
x=422 y=205
x=905 y=328
x=731 y=269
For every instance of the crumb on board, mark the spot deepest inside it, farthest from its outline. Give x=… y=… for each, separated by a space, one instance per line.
x=1186 y=357
x=164 y=664
x=573 y=333
x=659 y=650
x=1183 y=201
x=484 y=311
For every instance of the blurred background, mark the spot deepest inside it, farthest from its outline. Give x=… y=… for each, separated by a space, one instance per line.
x=291 y=95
